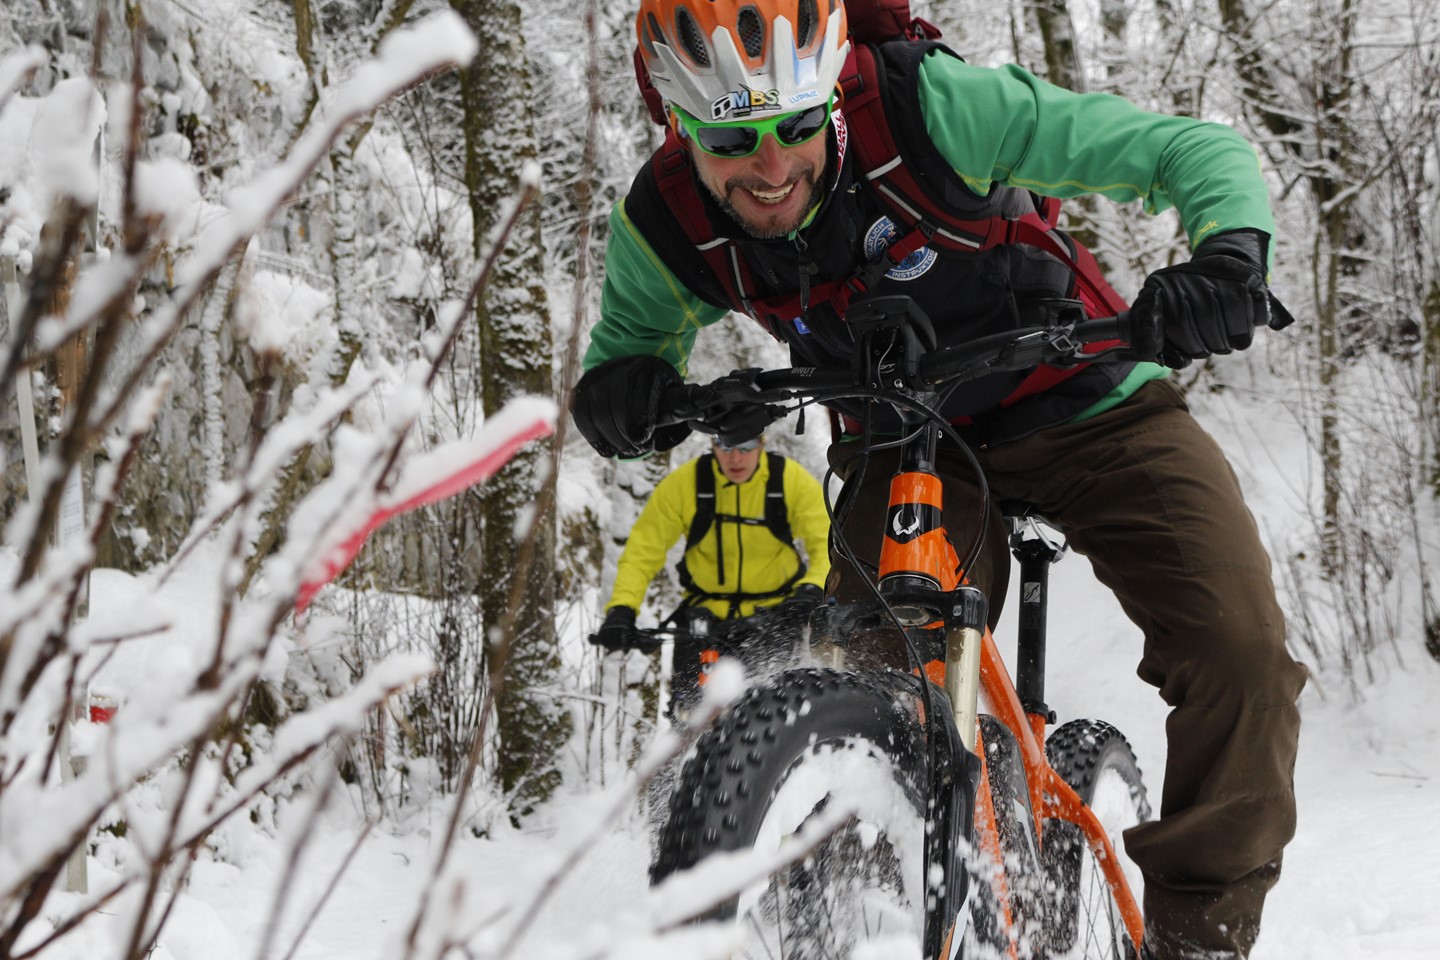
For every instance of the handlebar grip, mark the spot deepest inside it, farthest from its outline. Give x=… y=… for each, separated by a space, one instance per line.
x=679 y=403
x=1144 y=332
x=1102 y=329
x=643 y=640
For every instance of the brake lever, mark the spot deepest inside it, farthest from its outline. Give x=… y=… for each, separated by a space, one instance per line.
x=1039 y=346
x=706 y=407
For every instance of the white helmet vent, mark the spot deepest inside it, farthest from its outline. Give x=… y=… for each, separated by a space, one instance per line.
x=650 y=34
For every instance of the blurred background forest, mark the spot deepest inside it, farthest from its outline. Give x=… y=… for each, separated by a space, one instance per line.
x=458 y=229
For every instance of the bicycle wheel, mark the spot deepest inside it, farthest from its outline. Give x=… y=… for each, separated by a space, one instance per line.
x=806 y=745
x=1095 y=759
x=1021 y=917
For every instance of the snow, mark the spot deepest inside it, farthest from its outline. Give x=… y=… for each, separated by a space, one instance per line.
x=404 y=57
x=62 y=142
x=1359 y=878
x=305 y=867
x=16 y=66
x=166 y=187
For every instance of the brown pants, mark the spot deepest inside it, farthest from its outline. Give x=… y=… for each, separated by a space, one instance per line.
x=1148 y=497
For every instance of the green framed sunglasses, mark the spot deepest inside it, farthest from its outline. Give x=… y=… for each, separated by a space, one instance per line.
x=734 y=140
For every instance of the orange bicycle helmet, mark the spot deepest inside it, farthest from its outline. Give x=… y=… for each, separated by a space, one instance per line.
x=722 y=60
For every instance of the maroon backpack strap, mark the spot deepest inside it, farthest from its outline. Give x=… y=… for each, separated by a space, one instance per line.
x=1100 y=299
x=882 y=165
x=886 y=20
x=654 y=103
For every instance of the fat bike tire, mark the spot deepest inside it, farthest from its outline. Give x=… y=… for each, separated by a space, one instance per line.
x=812 y=747
x=1084 y=921
x=1009 y=900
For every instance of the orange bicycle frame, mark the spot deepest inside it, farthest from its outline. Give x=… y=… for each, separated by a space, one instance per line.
x=917 y=550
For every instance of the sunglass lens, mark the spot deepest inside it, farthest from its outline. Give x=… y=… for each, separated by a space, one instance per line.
x=803 y=125
x=745 y=447
x=728 y=141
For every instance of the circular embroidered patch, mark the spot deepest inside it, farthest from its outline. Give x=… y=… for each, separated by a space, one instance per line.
x=878 y=238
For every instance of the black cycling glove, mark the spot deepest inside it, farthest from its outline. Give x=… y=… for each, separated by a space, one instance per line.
x=807 y=596
x=616 y=404
x=618 y=630
x=1210 y=305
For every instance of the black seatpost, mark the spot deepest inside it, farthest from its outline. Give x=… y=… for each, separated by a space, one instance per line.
x=1035 y=556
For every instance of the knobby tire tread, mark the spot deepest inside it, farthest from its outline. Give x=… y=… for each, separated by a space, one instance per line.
x=724 y=788
x=1080 y=751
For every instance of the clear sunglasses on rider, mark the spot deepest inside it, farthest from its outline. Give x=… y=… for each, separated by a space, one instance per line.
x=735 y=140
x=744 y=447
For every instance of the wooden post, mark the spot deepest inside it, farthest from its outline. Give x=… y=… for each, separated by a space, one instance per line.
x=70 y=367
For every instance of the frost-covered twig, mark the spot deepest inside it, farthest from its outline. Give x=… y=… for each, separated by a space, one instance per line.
x=185 y=716
x=16 y=68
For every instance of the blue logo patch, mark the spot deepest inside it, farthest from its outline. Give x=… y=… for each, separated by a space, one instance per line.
x=878 y=238
x=801 y=326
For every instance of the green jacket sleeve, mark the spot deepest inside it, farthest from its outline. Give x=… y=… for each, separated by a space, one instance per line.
x=644 y=309
x=662 y=521
x=809 y=522
x=1006 y=125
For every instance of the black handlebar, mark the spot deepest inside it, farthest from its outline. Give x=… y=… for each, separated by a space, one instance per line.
x=646 y=639
x=1060 y=342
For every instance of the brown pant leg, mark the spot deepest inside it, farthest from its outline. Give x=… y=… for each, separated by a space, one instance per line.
x=1148 y=496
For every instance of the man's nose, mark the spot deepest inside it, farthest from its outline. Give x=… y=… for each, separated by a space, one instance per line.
x=769 y=161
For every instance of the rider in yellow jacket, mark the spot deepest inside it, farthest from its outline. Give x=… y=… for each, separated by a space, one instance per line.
x=732 y=559
x=737 y=566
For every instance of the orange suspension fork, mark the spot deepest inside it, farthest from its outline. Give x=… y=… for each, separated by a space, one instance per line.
x=917 y=552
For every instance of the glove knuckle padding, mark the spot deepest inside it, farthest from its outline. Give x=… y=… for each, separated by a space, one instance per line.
x=1208 y=305
x=616 y=404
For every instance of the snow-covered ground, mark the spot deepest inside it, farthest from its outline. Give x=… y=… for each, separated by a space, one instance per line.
x=1360 y=879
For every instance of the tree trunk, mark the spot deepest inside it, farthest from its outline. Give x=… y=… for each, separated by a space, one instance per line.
x=1333 y=92
x=515 y=359
x=1062 y=58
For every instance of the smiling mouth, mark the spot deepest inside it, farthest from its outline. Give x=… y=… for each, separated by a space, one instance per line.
x=777 y=195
